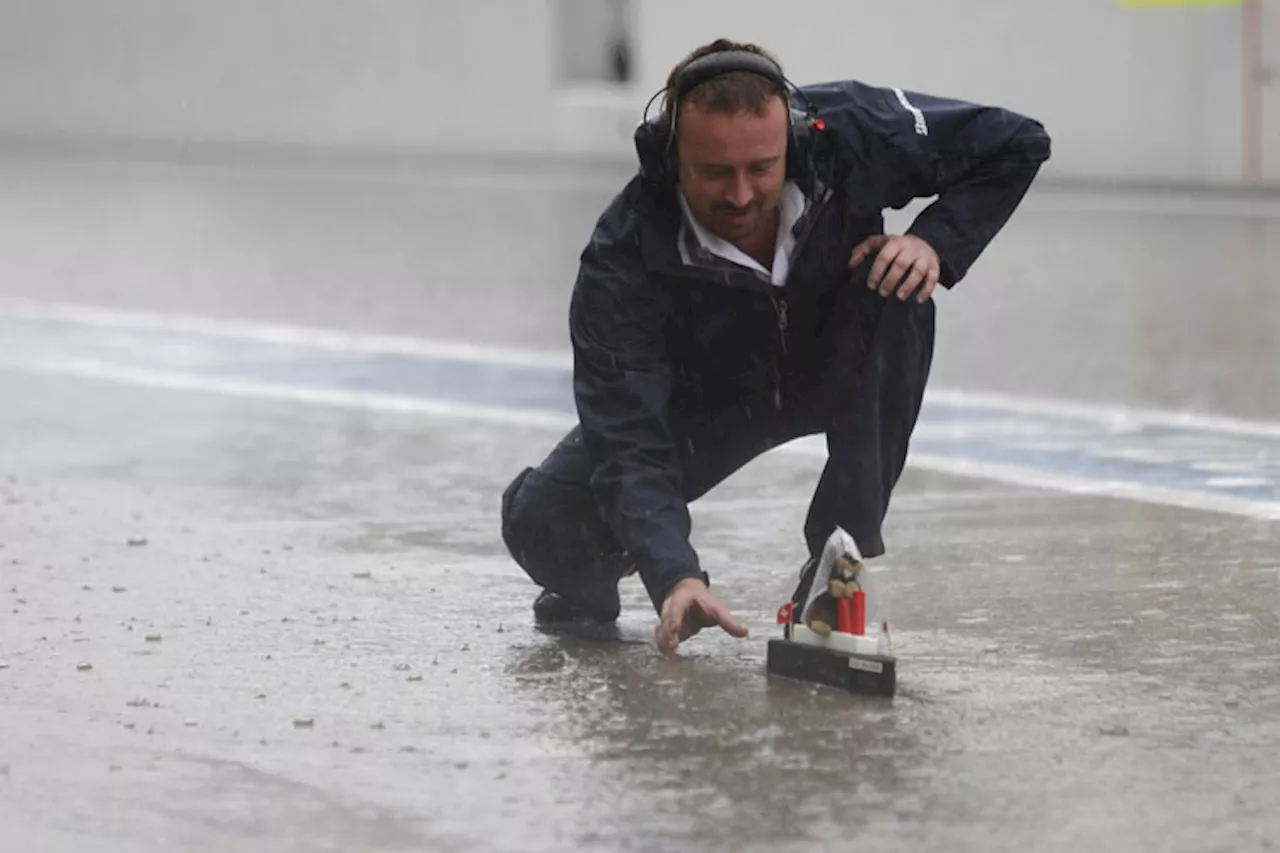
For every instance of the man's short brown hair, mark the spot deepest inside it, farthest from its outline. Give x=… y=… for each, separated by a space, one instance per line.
x=735 y=92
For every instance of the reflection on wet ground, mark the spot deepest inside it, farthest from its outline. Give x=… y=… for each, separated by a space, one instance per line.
x=1073 y=670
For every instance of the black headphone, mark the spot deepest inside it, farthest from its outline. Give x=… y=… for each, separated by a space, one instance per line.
x=808 y=139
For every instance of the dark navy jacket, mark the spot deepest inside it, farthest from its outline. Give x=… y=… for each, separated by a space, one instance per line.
x=653 y=335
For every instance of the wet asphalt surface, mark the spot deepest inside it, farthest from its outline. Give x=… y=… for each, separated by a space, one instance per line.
x=316 y=641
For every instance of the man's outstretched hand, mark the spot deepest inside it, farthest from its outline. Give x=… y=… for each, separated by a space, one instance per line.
x=688 y=608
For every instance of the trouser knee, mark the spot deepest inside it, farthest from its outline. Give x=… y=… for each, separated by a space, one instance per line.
x=515 y=518
x=554 y=531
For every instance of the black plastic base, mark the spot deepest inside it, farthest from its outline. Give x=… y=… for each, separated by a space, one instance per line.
x=871 y=675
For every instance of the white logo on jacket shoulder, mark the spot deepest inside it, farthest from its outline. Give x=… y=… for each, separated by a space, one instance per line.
x=921 y=127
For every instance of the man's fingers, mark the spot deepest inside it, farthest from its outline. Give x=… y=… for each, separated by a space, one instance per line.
x=919 y=271
x=733 y=626
x=901 y=265
x=669 y=626
x=886 y=257
x=866 y=247
x=668 y=638
x=725 y=620
x=930 y=282
x=681 y=620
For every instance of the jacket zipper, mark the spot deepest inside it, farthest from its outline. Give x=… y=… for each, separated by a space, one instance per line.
x=780 y=307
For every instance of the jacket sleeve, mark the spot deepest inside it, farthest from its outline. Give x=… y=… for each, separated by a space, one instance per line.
x=621 y=385
x=978 y=160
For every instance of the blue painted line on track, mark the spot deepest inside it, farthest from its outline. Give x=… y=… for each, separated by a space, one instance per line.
x=1195 y=458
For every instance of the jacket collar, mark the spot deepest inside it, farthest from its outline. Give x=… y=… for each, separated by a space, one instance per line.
x=662 y=227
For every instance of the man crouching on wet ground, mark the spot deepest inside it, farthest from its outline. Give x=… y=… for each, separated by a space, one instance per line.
x=739 y=293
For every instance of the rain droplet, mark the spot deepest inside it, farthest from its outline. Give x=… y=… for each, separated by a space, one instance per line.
x=153 y=638
x=84 y=667
x=136 y=541
x=304 y=723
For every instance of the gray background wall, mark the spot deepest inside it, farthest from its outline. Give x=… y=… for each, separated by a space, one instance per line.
x=1129 y=94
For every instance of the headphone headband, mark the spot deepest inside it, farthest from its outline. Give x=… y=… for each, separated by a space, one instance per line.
x=714 y=65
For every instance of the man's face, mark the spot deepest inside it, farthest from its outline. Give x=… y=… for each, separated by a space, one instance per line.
x=732 y=167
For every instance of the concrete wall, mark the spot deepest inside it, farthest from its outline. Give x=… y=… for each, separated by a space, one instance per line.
x=1129 y=94
x=373 y=73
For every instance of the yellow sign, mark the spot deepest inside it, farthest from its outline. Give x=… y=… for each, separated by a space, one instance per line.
x=1182 y=2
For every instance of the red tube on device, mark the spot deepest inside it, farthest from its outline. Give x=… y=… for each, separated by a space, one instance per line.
x=859 y=612
x=844 y=615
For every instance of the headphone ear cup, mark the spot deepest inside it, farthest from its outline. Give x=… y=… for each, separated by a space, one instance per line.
x=810 y=152
x=652 y=139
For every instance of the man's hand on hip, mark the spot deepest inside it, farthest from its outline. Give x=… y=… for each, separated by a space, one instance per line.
x=902 y=262
x=688 y=608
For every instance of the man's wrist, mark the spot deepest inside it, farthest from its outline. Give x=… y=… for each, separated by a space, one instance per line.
x=659 y=586
x=693 y=580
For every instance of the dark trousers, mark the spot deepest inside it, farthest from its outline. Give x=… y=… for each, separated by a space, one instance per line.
x=554 y=528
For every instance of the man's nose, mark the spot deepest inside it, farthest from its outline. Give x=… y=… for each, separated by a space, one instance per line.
x=740 y=192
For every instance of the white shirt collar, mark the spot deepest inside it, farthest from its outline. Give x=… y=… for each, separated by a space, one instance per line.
x=791 y=208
